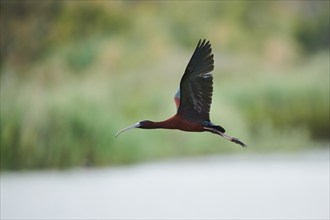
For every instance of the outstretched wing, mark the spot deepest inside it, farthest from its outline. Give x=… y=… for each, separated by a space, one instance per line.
x=196 y=85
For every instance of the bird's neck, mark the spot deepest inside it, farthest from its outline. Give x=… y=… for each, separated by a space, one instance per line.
x=168 y=124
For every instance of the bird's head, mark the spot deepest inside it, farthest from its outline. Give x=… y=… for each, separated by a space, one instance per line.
x=140 y=124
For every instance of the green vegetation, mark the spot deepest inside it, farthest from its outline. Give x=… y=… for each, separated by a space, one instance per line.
x=74 y=73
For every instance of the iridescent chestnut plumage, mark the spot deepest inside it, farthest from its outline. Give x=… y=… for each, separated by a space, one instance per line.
x=193 y=98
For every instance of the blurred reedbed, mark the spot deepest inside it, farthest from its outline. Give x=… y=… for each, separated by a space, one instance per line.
x=91 y=69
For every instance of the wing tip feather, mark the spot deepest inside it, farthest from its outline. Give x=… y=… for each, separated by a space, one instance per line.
x=203 y=43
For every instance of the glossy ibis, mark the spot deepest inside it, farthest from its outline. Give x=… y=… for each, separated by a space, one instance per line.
x=193 y=98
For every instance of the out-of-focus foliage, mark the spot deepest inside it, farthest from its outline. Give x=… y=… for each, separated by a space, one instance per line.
x=75 y=72
x=32 y=29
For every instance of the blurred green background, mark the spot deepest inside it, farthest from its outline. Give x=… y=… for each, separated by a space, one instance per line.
x=73 y=73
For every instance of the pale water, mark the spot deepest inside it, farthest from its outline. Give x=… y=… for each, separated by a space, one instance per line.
x=278 y=186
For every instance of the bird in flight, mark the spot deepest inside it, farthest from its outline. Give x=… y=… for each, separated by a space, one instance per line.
x=193 y=98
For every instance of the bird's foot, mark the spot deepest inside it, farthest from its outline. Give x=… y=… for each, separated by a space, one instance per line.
x=235 y=140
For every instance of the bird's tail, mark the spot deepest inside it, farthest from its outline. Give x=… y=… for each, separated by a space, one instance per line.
x=221 y=131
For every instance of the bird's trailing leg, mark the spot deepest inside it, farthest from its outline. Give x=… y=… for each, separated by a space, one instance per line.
x=223 y=134
x=232 y=139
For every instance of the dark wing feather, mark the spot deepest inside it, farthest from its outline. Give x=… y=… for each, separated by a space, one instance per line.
x=196 y=84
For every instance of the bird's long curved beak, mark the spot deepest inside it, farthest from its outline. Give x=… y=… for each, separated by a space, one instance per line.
x=125 y=129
